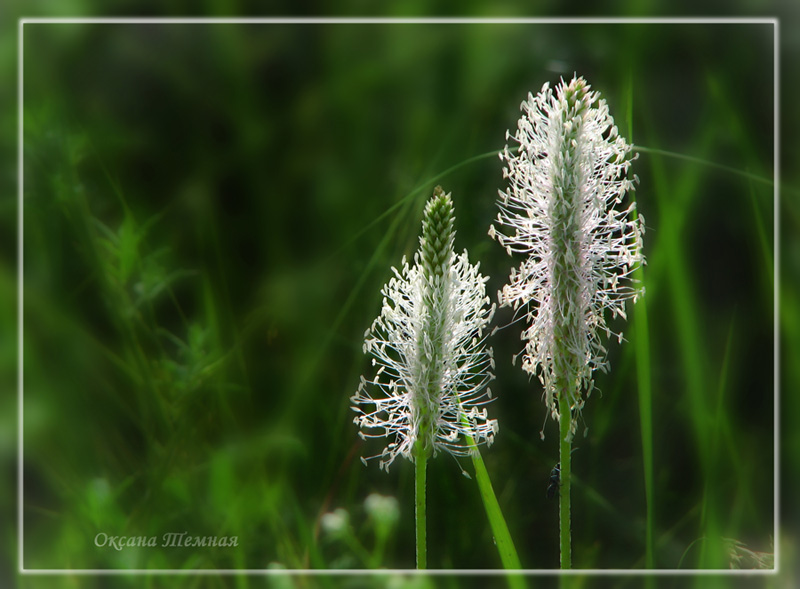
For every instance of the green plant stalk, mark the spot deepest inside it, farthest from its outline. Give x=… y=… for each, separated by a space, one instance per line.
x=565 y=449
x=420 y=464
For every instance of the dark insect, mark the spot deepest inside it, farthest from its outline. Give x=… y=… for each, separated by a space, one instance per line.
x=555 y=481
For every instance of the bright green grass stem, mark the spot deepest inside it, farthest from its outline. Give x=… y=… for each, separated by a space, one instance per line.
x=643 y=375
x=502 y=538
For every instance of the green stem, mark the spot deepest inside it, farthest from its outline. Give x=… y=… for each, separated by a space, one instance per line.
x=420 y=464
x=565 y=448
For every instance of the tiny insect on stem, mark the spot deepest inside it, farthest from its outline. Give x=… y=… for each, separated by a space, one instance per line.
x=555 y=481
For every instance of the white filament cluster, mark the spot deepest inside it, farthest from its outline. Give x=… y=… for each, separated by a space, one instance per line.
x=563 y=211
x=430 y=384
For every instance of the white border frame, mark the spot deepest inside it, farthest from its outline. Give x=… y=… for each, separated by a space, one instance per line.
x=386 y=572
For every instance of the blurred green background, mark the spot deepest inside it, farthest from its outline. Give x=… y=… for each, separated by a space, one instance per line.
x=211 y=211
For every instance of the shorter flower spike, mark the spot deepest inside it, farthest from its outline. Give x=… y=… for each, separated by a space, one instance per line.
x=428 y=344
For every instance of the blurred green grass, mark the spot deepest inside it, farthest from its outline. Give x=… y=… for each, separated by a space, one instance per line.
x=206 y=236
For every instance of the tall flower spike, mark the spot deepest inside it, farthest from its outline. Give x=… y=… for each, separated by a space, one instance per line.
x=566 y=179
x=428 y=344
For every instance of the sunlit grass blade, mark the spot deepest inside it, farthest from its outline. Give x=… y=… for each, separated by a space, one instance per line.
x=675 y=204
x=502 y=537
x=643 y=381
x=719 y=423
x=765 y=244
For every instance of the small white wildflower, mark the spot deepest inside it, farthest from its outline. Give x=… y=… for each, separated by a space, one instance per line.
x=335 y=523
x=429 y=346
x=384 y=510
x=566 y=179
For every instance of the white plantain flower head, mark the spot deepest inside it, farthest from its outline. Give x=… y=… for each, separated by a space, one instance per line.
x=428 y=345
x=563 y=211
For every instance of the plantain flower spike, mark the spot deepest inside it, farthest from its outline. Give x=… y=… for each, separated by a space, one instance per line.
x=428 y=347
x=563 y=211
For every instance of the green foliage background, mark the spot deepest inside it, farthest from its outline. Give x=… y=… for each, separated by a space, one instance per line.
x=210 y=212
